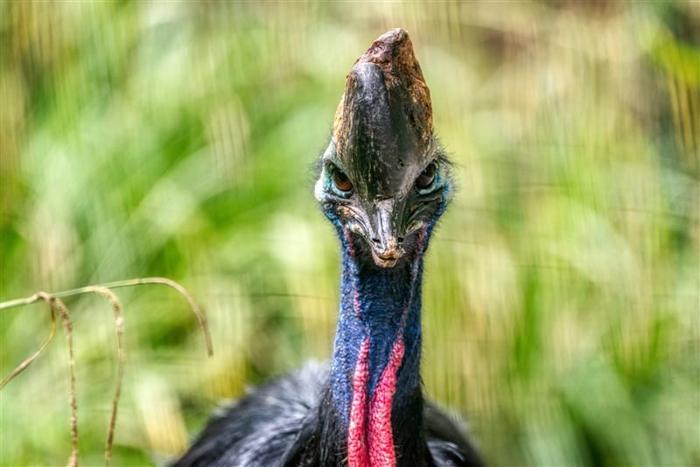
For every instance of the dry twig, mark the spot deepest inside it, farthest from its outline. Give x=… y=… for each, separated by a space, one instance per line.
x=56 y=305
x=117 y=308
x=52 y=332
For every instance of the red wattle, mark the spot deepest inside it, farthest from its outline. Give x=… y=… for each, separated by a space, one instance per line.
x=381 y=436
x=371 y=441
x=357 y=439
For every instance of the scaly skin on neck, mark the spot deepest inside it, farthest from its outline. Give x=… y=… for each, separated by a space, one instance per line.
x=375 y=373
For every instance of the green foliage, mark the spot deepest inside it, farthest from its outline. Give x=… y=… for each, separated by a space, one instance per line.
x=178 y=139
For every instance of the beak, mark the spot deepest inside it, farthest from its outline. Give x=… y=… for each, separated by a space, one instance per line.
x=385 y=241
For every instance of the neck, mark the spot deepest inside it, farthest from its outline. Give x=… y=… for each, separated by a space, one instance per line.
x=375 y=388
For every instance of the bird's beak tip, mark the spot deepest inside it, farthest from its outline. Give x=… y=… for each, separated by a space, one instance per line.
x=387 y=258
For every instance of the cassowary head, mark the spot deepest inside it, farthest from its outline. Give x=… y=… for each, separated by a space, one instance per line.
x=384 y=177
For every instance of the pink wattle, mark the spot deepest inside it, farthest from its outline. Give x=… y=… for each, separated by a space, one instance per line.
x=370 y=435
x=357 y=441
x=381 y=436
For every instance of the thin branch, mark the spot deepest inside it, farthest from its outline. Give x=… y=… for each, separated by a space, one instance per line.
x=117 y=308
x=201 y=318
x=68 y=328
x=56 y=305
x=52 y=332
x=24 y=301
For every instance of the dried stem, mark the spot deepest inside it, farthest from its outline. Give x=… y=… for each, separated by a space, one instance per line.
x=52 y=332
x=117 y=308
x=201 y=318
x=56 y=305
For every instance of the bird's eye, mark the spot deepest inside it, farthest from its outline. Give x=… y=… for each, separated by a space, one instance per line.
x=427 y=176
x=341 y=181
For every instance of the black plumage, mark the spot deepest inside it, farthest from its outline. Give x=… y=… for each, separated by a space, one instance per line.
x=278 y=424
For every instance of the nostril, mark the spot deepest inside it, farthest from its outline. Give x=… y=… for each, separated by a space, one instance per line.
x=375 y=239
x=400 y=239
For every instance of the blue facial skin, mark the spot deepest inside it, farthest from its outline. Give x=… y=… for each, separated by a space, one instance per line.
x=380 y=302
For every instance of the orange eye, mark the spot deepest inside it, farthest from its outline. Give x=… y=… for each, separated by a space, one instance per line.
x=341 y=181
x=427 y=176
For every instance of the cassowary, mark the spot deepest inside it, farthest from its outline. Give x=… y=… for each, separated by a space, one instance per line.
x=383 y=184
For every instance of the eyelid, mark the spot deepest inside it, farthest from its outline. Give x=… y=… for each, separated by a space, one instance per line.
x=332 y=167
x=433 y=163
x=434 y=185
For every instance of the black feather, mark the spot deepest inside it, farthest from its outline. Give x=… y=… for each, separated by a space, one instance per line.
x=279 y=424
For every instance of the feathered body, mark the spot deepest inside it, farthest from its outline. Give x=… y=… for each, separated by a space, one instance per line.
x=278 y=423
x=383 y=184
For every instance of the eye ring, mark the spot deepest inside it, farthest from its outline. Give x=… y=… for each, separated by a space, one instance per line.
x=427 y=176
x=341 y=182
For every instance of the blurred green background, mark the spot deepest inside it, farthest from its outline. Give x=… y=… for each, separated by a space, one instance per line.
x=562 y=295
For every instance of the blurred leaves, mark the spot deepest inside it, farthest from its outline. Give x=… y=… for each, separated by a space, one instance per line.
x=178 y=139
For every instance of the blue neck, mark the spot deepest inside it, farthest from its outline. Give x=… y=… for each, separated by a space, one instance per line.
x=378 y=306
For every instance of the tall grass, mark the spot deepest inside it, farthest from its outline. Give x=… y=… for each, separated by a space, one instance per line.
x=562 y=303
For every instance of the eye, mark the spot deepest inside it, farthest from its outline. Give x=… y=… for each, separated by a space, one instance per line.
x=427 y=176
x=340 y=180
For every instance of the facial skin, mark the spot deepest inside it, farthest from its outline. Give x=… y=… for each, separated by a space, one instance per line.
x=383 y=176
x=386 y=219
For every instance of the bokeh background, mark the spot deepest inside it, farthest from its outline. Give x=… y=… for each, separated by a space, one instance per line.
x=562 y=295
